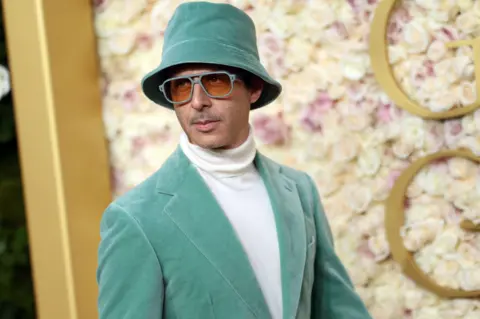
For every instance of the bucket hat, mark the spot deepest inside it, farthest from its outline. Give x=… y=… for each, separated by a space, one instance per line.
x=210 y=33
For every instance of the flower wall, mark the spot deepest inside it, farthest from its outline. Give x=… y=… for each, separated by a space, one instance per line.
x=335 y=122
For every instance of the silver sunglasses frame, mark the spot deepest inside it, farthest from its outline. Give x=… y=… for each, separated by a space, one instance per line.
x=197 y=79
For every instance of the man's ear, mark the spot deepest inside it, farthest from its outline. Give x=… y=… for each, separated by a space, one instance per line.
x=256 y=88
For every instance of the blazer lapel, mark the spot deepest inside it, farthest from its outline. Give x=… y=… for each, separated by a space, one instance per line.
x=290 y=228
x=195 y=211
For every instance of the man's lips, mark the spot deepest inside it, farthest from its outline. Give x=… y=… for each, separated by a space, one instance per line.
x=205 y=126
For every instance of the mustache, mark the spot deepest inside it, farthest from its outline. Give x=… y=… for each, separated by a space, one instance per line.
x=204 y=118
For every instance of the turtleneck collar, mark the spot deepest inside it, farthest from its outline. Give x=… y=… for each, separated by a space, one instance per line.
x=224 y=163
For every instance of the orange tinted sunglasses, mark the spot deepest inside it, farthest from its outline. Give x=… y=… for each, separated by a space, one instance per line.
x=178 y=90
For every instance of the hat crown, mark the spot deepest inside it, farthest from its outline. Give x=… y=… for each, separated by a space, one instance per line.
x=204 y=21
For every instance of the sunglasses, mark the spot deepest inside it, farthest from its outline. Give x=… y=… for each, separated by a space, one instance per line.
x=179 y=89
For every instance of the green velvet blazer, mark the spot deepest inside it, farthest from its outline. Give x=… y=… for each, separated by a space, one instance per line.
x=168 y=251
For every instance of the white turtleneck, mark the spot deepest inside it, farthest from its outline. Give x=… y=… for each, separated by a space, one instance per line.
x=239 y=189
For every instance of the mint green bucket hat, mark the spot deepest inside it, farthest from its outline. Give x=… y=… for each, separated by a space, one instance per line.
x=210 y=33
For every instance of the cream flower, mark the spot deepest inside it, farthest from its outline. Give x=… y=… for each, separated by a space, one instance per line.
x=396 y=53
x=464 y=5
x=357 y=122
x=416 y=37
x=298 y=54
x=461 y=168
x=472 y=143
x=446 y=242
x=354 y=67
x=371 y=221
x=428 y=4
x=357 y=197
x=402 y=150
x=467 y=22
x=436 y=51
x=379 y=246
x=426 y=260
x=327 y=181
x=121 y=41
x=433 y=181
x=417 y=235
x=369 y=162
x=442 y=101
x=466 y=93
x=4 y=81
x=469 y=278
x=346 y=148
x=445 y=273
x=413 y=131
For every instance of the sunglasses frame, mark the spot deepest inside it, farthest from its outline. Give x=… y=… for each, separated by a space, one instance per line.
x=197 y=79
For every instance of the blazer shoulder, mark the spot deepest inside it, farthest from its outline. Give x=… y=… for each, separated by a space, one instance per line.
x=143 y=199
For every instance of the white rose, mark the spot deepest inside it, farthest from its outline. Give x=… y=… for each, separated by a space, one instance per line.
x=416 y=37
x=328 y=182
x=121 y=41
x=472 y=143
x=379 y=246
x=469 y=278
x=466 y=93
x=299 y=53
x=464 y=5
x=433 y=181
x=402 y=150
x=357 y=122
x=442 y=101
x=413 y=298
x=281 y=24
x=461 y=168
x=369 y=161
x=467 y=22
x=426 y=260
x=436 y=51
x=446 y=70
x=454 y=190
x=468 y=124
x=4 y=81
x=428 y=4
x=372 y=220
x=357 y=197
x=473 y=314
x=346 y=148
x=354 y=67
x=427 y=312
x=413 y=131
x=417 y=235
x=445 y=273
x=446 y=242
x=460 y=66
x=396 y=53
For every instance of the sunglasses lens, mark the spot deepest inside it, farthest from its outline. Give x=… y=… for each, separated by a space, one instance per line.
x=178 y=90
x=217 y=85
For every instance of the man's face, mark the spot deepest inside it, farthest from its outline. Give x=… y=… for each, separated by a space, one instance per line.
x=216 y=123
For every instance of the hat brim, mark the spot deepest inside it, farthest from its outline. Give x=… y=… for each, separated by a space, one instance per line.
x=209 y=52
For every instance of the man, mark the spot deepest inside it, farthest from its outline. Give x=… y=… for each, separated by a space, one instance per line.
x=219 y=231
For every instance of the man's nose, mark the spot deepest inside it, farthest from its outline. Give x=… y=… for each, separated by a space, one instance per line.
x=199 y=98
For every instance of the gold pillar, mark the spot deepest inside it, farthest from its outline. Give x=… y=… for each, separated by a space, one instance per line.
x=65 y=169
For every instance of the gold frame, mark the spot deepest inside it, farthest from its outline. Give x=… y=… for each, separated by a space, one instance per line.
x=55 y=79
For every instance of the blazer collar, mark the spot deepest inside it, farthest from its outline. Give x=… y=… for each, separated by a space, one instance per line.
x=194 y=209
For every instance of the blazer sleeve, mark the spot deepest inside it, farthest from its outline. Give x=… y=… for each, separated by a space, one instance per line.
x=334 y=294
x=129 y=275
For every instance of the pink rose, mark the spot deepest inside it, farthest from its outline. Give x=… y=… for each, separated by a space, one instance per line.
x=452 y=131
x=312 y=115
x=271 y=130
x=384 y=114
x=144 y=41
x=99 y=5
